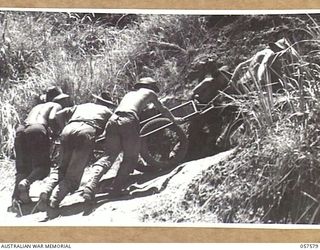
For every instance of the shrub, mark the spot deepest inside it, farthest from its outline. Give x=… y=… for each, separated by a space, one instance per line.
x=273 y=176
x=84 y=53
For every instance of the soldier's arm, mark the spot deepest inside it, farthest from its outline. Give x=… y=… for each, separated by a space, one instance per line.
x=202 y=87
x=164 y=110
x=64 y=115
x=53 y=126
x=53 y=112
x=59 y=118
x=263 y=70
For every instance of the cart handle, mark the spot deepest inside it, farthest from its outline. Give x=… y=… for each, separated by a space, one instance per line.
x=185 y=119
x=172 y=109
x=156 y=130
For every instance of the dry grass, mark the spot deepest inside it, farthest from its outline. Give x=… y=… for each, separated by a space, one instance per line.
x=273 y=176
x=7 y=169
x=84 y=55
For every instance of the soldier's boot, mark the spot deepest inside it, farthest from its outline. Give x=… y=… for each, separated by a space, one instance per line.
x=91 y=188
x=121 y=180
x=23 y=188
x=46 y=192
x=43 y=201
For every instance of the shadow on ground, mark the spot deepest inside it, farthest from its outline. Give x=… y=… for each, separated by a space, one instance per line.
x=139 y=185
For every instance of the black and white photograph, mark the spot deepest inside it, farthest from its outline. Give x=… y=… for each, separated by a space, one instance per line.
x=159 y=118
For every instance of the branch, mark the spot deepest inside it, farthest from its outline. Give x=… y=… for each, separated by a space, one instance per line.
x=165 y=45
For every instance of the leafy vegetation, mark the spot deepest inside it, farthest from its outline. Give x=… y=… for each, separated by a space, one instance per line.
x=85 y=54
x=272 y=177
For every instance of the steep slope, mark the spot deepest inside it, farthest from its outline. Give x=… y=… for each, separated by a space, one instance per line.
x=198 y=190
x=153 y=198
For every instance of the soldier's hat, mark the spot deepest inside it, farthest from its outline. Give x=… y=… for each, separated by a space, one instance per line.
x=53 y=94
x=105 y=99
x=147 y=82
x=281 y=44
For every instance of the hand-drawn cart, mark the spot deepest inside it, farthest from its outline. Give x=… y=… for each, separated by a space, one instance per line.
x=164 y=143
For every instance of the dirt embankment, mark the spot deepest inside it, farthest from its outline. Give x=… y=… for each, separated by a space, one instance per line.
x=153 y=198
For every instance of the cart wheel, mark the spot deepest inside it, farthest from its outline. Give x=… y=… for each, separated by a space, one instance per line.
x=163 y=149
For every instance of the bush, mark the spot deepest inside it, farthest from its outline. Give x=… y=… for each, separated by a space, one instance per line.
x=274 y=174
x=86 y=53
x=273 y=177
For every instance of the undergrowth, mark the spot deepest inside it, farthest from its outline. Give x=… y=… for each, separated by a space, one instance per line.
x=272 y=177
x=86 y=54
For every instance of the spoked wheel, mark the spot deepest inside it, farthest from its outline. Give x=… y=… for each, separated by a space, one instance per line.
x=163 y=149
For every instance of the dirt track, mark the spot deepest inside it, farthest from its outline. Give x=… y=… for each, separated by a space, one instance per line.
x=148 y=193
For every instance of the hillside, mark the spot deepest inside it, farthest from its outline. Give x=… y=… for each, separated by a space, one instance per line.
x=148 y=193
x=272 y=173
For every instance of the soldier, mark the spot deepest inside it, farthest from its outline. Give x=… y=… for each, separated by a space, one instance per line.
x=84 y=123
x=32 y=143
x=122 y=134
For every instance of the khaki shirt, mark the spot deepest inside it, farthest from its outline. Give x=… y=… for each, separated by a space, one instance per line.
x=91 y=113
